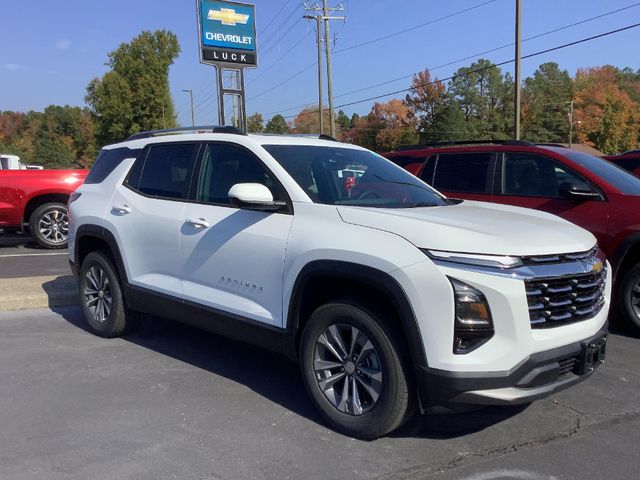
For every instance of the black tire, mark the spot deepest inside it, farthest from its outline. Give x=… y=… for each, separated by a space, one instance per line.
x=54 y=215
x=116 y=321
x=628 y=299
x=395 y=403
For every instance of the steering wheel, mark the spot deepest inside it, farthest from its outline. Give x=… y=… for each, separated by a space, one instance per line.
x=368 y=194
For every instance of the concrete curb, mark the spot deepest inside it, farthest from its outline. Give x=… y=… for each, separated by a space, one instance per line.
x=38 y=292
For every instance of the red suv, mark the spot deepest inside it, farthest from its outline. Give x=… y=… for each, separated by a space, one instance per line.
x=629 y=161
x=583 y=189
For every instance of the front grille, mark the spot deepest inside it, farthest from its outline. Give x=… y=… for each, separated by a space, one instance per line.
x=559 y=301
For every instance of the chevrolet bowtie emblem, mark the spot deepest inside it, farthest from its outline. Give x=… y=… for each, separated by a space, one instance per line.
x=228 y=16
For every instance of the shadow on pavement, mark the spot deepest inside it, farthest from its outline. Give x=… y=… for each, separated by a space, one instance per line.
x=274 y=377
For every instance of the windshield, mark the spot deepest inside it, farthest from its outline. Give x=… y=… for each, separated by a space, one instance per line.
x=346 y=176
x=612 y=174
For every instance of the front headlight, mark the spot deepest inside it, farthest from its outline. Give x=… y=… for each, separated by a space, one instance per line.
x=473 y=323
x=493 y=261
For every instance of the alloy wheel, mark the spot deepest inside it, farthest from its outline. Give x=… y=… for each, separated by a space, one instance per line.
x=54 y=226
x=635 y=298
x=348 y=369
x=97 y=294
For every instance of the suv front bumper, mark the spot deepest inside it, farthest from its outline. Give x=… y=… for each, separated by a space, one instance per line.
x=540 y=375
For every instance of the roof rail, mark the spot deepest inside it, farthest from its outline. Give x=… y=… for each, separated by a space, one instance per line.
x=559 y=145
x=319 y=136
x=522 y=143
x=185 y=130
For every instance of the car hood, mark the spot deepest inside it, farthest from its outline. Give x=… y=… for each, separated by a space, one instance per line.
x=476 y=227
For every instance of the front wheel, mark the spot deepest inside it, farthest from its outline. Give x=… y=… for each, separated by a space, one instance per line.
x=354 y=370
x=629 y=296
x=49 y=225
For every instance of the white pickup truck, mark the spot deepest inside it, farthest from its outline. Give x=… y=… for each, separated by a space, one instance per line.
x=12 y=162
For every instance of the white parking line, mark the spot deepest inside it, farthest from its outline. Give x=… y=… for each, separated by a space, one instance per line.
x=33 y=255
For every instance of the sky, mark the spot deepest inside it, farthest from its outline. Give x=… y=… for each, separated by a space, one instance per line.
x=50 y=51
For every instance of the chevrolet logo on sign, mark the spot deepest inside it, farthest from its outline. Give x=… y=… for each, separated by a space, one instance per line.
x=228 y=16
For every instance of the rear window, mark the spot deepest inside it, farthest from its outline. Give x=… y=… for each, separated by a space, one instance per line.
x=107 y=162
x=464 y=172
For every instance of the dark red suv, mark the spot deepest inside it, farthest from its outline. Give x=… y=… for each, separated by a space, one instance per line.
x=629 y=161
x=586 y=190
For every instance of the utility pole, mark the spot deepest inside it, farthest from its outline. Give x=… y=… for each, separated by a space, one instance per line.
x=193 y=111
x=327 y=46
x=517 y=80
x=318 y=19
x=571 y=123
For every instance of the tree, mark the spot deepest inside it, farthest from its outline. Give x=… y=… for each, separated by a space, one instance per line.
x=388 y=126
x=131 y=96
x=425 y=102
x=255 y=123
x=277 y=125
x=342 y=121
x=546 y=98
x=482 y=92
x=609 y=117
x=308 y=121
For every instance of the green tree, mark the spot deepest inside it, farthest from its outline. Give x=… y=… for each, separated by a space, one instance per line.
x=277 y=125
x=546 y=98
x=255 y=123
x=343 y=121
x=482 y=92
x=131 y=96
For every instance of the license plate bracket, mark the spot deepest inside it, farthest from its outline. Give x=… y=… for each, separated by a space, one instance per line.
x=592 y=355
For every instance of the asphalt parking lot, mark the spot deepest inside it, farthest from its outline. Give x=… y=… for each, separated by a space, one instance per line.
x=20 y=257
x=172 y=402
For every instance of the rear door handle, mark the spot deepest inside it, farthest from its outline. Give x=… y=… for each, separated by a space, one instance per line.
x=121 y=209
x=198 y=223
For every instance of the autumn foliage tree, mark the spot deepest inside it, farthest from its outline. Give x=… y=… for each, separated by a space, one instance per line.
x=609 y=117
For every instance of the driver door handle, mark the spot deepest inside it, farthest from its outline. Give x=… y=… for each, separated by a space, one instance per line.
x=199 y=223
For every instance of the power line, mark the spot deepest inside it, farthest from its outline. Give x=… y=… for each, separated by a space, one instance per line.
x=404 y=77
x=415 y=27
x=382 y=38
x=275 y=16
x=487 y=67
x=541 y=52
x=295 y=75
x=286 y=54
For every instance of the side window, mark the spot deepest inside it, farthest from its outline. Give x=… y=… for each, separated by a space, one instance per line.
x=107 y=162
x=630 y=164
x=429 y=169
x=166 y=171
x=466 y=172
x=529 y=175
x=225 y=165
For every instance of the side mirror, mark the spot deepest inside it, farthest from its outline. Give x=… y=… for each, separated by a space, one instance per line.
x=254 y=196
x=578 y=191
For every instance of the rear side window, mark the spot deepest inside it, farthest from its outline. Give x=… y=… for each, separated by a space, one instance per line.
x=466 y=172
x=107 y=162
x=630 y=164
x=165 y=171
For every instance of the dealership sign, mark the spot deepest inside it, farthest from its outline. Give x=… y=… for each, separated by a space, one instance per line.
x=227 y=33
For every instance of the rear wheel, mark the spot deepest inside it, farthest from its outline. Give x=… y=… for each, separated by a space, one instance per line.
x=49 y=225
x=629 y=296
x=101 y=296
x=354 y=370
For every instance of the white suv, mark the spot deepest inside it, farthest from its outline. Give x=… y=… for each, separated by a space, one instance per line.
x=391 y=296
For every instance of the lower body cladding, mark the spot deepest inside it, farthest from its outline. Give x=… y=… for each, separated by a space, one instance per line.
x=518 y=362
x=538 y=376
